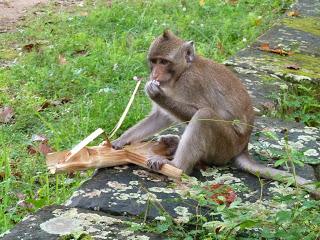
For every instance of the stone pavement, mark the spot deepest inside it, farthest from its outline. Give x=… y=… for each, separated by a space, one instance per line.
x=114 y=195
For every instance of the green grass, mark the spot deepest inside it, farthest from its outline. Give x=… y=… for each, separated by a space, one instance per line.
x=115 y=41
x=300 y=103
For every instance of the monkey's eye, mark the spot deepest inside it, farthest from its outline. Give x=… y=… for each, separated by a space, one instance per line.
x=164 y=62
x=153 y=61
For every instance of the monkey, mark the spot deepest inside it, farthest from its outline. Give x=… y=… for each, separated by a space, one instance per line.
x=186 y=87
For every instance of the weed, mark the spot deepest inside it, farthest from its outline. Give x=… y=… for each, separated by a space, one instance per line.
x=300 y=102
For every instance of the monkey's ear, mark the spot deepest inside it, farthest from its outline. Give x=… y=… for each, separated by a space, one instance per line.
x=167 y=34
x=189 y=50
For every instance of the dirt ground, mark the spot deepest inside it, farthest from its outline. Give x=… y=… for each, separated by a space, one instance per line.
x=13 y=10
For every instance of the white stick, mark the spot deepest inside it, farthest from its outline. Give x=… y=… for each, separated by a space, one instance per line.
x=126 y=110
x=84 y=143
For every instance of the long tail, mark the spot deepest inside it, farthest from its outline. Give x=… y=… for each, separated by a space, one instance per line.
x=245 y=163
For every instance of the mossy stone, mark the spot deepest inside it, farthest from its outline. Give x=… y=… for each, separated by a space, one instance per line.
x=306 y=24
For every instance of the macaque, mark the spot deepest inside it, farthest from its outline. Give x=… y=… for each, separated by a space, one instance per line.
x=186 y=87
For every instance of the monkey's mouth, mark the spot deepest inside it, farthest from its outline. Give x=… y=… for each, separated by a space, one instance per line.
x=155 y=82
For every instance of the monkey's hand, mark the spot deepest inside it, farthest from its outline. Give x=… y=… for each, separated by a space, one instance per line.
x=119 y=143
x=156 y=162
x=154 y=91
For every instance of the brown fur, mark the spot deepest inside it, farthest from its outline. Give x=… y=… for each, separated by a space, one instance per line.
x=209 y=97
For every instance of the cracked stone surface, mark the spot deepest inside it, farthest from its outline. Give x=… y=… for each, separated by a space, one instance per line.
x=55 y=221
x=131 y=190
x=114 y=195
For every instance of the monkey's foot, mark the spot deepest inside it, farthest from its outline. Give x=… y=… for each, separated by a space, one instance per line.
x=156 y=162
x=171 y=142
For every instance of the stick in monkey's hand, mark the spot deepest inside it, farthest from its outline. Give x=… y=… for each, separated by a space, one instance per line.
x=82 y=157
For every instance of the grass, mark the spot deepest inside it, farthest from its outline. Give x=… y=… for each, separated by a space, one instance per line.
x=101 y=49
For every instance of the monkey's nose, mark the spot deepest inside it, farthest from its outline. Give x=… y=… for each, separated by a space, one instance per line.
x=155 y=77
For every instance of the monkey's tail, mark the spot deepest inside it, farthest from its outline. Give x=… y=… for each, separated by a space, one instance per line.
x=245 y=163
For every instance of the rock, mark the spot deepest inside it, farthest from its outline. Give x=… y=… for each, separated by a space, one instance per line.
x=54 y=222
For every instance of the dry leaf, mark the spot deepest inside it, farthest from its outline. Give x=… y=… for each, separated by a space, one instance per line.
x=30 y=47
x=293 y=66
x=220 y=47
x=268 y=106
x=266 y=48
x=44 y=148
x=6 y=114
x=82 y=52
x=294 y=13
x=31 y=150
x=218 y=190
x=62 y=60
x=53 y=103
x=38 y=138
x=201 y=3
x=109 y=3
x=2 y=176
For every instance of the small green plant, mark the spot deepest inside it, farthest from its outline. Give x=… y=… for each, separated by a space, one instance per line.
x=300 y=102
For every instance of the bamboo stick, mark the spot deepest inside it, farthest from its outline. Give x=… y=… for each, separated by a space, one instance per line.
x=106 y=156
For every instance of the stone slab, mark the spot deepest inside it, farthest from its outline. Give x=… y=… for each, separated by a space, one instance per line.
x=307 y=7
x=133 y=191
x=52 y=222
x=296 y=40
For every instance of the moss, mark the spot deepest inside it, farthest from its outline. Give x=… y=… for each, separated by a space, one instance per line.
x=306 y=24
x=309 y=65
x=267 y=77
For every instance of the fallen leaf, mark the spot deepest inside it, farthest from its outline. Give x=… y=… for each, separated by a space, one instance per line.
x=62 y=60
x=2 y=176
x=293 y=66
x=266 y=48
x=44 y=148
x=109 y=3
x=82 y=52
x=221 y=190
x=6 y=114
x=25 y=204
x=38 y=138
x=220 y=47
x=31 y=150
x=31 y=46
x=294 y=13
x=53 y=103
x=20 y=196
x=268 y=106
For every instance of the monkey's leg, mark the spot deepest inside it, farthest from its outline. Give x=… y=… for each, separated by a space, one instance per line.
x=150 y=125
x=204 y=137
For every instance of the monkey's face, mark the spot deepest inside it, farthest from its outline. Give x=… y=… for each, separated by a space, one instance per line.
x=161 y=70
x=168 y=57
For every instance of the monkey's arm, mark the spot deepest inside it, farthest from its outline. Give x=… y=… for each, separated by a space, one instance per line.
x=150 y=125
x=180 y=110
x=183 y=111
